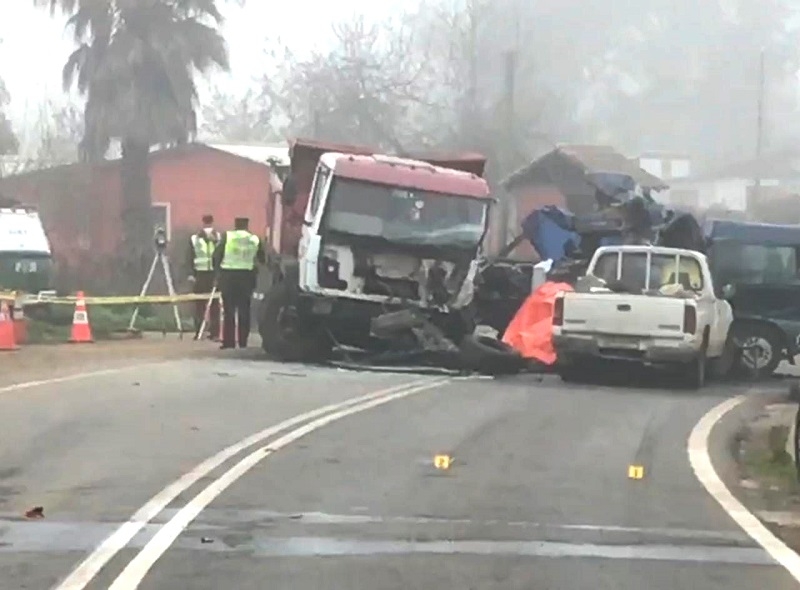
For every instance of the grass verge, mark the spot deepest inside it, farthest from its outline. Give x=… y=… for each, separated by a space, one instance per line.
x=53 y=324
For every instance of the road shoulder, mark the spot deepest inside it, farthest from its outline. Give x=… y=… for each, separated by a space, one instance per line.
x=59 y=361
x=766 y=479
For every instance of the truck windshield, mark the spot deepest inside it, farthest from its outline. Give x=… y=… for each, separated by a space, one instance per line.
x=405 y=215
x=630 y=269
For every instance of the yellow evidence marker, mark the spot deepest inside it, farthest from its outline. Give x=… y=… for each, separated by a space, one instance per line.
x=442 y=461
x=635 y=472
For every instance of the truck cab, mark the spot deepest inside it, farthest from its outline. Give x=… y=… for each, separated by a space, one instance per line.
x=377 y=233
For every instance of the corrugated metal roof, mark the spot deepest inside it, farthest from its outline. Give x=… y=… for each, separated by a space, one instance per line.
x=603 y=158
x=261 y=153
x=587 y=158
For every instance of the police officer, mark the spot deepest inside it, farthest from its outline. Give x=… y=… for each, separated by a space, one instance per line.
x=201 y=252
x=235 y=258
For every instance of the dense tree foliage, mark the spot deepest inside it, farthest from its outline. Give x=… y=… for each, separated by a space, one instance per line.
x=136 y=62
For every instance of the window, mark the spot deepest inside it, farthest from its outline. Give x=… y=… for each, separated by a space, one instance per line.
x=162 y=218
x=632 y=270
x=754 y=264
x=319 y=188
x=405 y=215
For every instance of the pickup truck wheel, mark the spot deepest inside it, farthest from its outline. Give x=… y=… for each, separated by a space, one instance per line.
x=762 y=350
x=574 y=372
x=283 y=336
x=721 y=367
x=695 y=373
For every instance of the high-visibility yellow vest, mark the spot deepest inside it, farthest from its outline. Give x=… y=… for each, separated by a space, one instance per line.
x=241 y=248
x=203 y=252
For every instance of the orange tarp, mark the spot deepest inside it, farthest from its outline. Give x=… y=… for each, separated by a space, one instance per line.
x=531 y=331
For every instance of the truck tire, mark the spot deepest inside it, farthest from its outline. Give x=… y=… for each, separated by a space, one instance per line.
x=769 y=349
x=578 y=371
x=694 y=374
x=572 y=375
x=721 y=368
x=489 y=356
x=283 y=337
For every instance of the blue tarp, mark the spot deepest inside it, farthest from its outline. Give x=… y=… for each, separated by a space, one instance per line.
x=549 y=230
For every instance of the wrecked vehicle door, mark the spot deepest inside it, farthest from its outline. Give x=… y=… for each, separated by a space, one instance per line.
x=643 y=304
x=759 y=265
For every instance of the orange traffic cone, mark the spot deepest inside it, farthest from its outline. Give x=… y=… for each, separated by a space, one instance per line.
x=20 y=323
x=81 y=330
x=7 y=340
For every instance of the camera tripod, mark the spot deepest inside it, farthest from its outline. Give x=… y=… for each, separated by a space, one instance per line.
x=160 y=257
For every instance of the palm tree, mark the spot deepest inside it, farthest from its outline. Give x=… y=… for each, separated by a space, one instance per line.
x=135 y=64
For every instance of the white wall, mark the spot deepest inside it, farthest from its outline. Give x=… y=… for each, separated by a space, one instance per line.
x=729 y=193
x=681 y=168
x=666 y=168
x=651 y=166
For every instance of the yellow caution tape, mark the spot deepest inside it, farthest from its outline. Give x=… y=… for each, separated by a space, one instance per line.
x=110 y=300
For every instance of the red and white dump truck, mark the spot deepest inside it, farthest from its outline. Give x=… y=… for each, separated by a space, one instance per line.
x=361 y=235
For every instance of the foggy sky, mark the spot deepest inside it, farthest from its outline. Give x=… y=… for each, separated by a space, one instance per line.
x=34 y=45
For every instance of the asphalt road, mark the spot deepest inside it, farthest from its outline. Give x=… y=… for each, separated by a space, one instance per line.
x=537 y=496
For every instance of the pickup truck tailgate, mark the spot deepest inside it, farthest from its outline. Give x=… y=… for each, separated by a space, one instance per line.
x=629 y=315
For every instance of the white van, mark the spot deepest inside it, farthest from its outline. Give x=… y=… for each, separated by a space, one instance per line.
x=26 y=259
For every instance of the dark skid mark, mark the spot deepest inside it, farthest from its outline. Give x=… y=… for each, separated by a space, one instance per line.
x=322 y=547
x=10 y=472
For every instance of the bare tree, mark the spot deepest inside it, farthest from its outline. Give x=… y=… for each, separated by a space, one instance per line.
x=363 y=90
x=60 y=130
x=243 y=118
x=9 y=144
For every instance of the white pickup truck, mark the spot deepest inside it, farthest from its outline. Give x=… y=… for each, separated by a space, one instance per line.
x=647 y=305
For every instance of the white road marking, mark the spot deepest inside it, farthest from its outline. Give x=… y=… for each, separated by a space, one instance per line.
x=75 y=377
x=86 y=571
x=137 y=569
x=700 y=460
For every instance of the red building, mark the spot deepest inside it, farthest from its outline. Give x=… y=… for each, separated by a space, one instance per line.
x=81 y=204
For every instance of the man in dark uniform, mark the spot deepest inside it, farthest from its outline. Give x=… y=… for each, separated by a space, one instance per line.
x=200 y=254
x=235 y=259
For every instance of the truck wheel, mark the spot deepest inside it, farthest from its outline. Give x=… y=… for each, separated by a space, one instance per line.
x=576 y=372
x=283 y=335
x=762 y=350
x=694 y=374
x=721 y=367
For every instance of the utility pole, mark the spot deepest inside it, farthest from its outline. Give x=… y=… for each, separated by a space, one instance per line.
x=510 y=135
x=759 y=132
x=472 y=91
x=508 y=138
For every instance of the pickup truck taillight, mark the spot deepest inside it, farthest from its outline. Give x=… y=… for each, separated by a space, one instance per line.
x=558 y=311
x=689 y=319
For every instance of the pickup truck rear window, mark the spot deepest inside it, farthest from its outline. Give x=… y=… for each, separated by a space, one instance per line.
x=630 y=269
